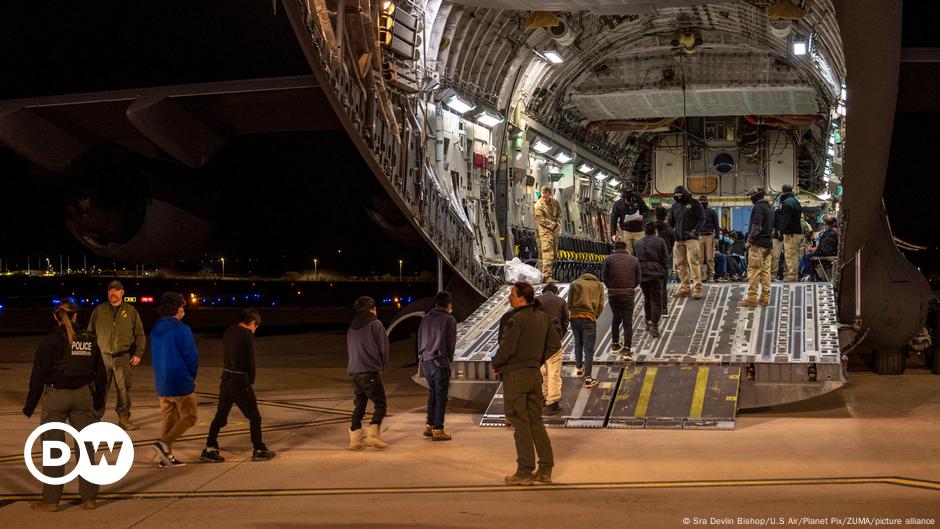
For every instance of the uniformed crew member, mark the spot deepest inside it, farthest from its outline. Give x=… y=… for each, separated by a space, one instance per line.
x=121 y=338
x=687 y=218
x=759 y=250
x=548 y=225
x=711 y=231
x=627 y=214
x=69 y=377
x=791 y=213
x=527 y=338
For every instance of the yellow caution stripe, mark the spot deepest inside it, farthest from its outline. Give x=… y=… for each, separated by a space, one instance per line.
x=698 y=396
x=645 y=391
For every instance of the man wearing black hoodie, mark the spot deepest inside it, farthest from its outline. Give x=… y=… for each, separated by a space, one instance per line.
x=367 y=346
x=627 y=215
x=687 y=217
x=759 y=249
x=437 y=341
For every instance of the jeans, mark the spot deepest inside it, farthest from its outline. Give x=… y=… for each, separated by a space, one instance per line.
x=438 y=384
x=366 y=387
x=652 y=300
x=237 y=391
x=721 y=265
x=585 y=333
x=621 y=308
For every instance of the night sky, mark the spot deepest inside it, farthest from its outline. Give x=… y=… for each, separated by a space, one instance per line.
x=278 y=198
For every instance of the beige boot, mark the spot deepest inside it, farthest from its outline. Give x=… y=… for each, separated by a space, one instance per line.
x=697 y=293
x=440 y=435
x=372 y=437
x=356 y=439
x=683 y=292
x=125 y=422
x=748 y=302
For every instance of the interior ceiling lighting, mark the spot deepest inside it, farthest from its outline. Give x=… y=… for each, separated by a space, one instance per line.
x=601 y=175
x=585 y=168
x=613 y=182
x=799 y=45
x=553 y=56
x=459 y=105
x=563 y=157
x=488 y=119
x=541 y=147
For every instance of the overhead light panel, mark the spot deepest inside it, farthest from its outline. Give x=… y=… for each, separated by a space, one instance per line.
x=601 y=175
x=488 y=119
x=613 y=182
x=563 y=157
x=541 y=147
x=799 y=45
x=553 y=56
x=585 y=168
x=458 y=104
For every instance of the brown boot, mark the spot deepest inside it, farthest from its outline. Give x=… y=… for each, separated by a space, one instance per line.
x=44 y=507
x=683 y=292
x=372 y=437
x=763 y=302
x=89 y=505
x=428 y=431
x=125 y=422
x=440 y=435
x=697 y=293
x=748 y=303
x=542 y=476
x=519 y=479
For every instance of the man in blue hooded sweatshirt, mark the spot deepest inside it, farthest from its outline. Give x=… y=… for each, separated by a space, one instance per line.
x=175 y=362
x=437 y=341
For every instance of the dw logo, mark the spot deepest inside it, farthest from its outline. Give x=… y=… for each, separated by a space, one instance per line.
x=102 y=437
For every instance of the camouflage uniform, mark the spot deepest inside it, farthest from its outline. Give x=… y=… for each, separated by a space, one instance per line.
x=547 y=219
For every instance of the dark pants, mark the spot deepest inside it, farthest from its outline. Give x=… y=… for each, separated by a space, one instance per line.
x=237 y=391
x=76 y=407
x=366 y=387
x=652 y=300
x=438 y=384
x=666 y=280
x=522 y=394
x=585 y=334
x=621 y=308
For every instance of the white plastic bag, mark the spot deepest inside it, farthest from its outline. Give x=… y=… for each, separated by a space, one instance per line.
x=517 y=271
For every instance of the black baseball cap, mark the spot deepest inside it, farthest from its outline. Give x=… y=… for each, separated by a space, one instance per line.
x=115 y=285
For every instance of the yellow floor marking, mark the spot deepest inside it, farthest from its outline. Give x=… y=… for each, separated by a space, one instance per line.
x=698 y=396
x=645 y=392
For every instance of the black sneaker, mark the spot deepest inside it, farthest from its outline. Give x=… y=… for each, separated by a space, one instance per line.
x=163 y=451
x=211 y=455
x=172 y=462
x=654 y=331
x=553 y=408
x=262 y=455
x=590 y=382
x=579 y=372
x=615 y=347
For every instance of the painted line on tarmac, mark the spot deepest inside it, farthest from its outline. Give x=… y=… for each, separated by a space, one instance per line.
x=308 y=492
x=202 y=436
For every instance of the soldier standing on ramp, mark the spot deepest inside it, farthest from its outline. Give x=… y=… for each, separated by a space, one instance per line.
x=548 y=224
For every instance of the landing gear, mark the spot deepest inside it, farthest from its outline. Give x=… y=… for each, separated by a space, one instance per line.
x=889 y=362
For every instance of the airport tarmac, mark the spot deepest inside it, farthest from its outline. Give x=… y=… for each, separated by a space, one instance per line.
x=868 y=450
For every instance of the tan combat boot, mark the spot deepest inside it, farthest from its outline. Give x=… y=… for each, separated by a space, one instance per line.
x=763 y=302
x=125 y=422
x=748 y=303
x=697 y=293
x=440 y=435
x=683 y=292
x=356 y=439
x=372 y=437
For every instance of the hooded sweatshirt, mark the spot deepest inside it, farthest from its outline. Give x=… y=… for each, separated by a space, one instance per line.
x=175 y=360
x=686 y=216
x=628 y=205
x=762 y=223
x=366 y=344
x=437 y=337
x=586 y=297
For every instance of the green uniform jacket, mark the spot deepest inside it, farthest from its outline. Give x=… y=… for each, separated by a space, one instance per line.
x=527 y=339
x=119 y=331
x=586 y=296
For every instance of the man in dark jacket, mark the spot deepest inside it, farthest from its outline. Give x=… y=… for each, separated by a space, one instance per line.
x=828 y=246
x=760 y=249
x=437 y=341
x=557 y=308
x=687 y=218
x=175 y=365
x=791 y=213
x=367 y=346
x=527 y=339
x=627 y=214
x=711 y=232
x=651 y=252
x=621 y=275
x=665 y=232
x=238 y=375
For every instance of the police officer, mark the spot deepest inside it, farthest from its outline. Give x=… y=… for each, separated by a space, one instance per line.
x=121 y=339
x=759 y=250
x=69 y=377
x=547 y=224
x=627 y=214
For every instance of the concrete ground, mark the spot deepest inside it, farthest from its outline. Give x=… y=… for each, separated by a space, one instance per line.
x=866 y=454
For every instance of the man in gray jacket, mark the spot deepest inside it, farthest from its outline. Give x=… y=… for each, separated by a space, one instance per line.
x=621 y=275
x=437 y=340
x=121 y=338
x=556 y=307
x=367 y=346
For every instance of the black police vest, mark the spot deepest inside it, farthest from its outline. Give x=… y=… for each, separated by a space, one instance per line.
x=79 y=362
